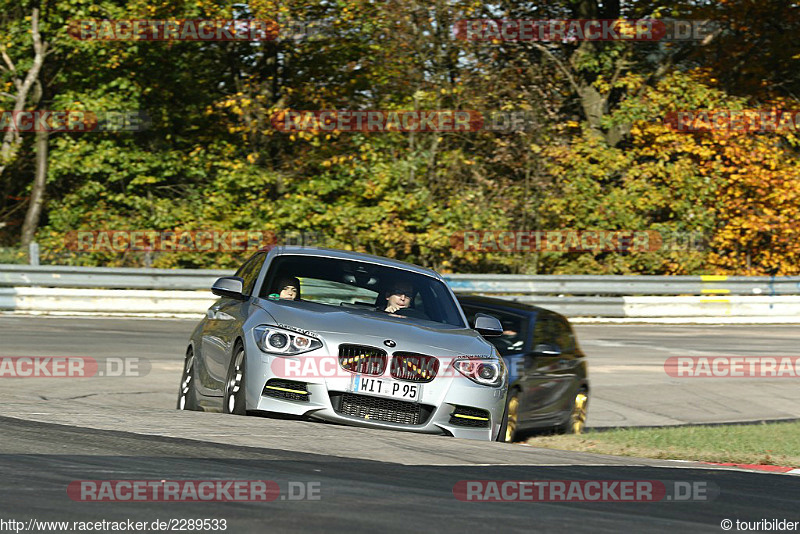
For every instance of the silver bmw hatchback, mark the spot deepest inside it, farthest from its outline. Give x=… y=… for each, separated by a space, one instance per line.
x=348 y=338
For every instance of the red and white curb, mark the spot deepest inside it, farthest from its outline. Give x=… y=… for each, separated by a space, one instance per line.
x=759 y=467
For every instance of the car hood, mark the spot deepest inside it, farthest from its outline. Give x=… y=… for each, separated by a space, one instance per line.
x=373 y=328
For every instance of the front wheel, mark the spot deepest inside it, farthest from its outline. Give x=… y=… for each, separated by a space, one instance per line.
x=187 y=396
x=234 y=401
x=576 y=422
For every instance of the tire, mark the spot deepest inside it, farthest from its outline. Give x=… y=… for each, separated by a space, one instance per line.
x=501 y=432
x=576 y=422
x=235 y=392
x=509 y=429
x=187 y=395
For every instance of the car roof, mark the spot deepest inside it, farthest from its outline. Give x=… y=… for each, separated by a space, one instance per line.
x=510 y=305
x=355 y=256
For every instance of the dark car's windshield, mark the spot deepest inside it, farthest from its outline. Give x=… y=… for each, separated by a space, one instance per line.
x=362 y=285
x=515 y=328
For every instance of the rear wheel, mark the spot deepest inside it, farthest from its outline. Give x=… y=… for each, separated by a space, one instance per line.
x=234 y=401
x=576 y=422
x=187 y=396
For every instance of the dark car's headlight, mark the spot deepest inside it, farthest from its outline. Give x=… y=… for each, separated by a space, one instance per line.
x=281 y=341
x=484 y=371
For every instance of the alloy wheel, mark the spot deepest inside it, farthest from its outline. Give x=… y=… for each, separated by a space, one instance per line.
x=513 y=416
x=579 y=410
x=235 y=387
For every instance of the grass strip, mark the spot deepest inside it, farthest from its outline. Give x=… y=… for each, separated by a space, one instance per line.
x=766 y=443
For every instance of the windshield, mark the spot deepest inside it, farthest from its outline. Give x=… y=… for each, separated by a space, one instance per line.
x=515 y=329
x=361 y=285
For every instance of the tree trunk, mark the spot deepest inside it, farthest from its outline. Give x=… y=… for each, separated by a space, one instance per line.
x=37 y=194
x=12 y=139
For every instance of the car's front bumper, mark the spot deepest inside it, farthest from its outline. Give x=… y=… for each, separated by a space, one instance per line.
x=448 y=394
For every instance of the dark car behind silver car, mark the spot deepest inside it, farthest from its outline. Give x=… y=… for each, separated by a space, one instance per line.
x=548 y=383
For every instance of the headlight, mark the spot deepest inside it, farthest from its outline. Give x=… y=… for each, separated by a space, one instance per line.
x=280 y=341
x=484 y=371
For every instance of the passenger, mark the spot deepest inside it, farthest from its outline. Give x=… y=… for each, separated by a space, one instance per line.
x=289 y=288
x=399 y=297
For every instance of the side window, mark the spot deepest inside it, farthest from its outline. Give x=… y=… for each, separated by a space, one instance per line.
x=250 y=270
x=564 y=337
x=543 y=330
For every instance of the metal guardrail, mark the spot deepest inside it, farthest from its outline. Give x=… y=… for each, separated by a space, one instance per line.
x=185 y=293
x=489 y=284
x=107 y=277
x=618 y=285
x=193 y=304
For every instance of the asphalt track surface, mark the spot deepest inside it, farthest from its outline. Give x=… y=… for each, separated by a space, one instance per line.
x=59 y=430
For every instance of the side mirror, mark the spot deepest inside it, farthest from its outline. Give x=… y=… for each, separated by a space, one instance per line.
x=486 y=325
x=230 y=287
x=547 y=349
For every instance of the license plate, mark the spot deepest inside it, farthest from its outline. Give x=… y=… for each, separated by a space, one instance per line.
x=386 y=388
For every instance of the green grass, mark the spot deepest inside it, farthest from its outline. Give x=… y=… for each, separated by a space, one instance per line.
x=769 y=443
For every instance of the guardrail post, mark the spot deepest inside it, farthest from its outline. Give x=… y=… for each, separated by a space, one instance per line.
x=33 y=253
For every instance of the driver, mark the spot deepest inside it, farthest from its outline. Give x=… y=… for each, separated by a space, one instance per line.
x=399 y=296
